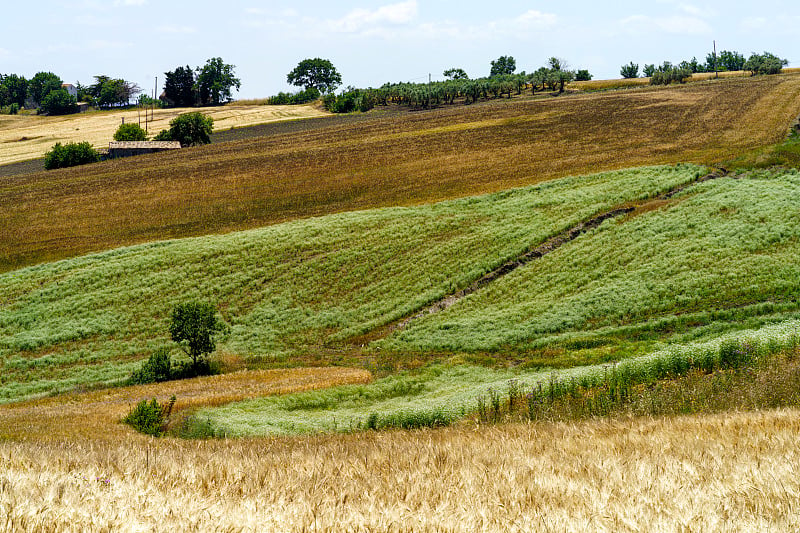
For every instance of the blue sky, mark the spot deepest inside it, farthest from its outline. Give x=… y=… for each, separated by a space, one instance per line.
x=373 y=42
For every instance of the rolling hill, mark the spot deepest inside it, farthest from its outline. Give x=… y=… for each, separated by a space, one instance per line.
x=406 y=159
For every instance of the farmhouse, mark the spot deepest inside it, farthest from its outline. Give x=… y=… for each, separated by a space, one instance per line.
x=71 y=89
x=130 y=148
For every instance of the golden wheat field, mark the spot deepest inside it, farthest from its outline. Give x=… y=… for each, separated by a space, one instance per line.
x=24 y=137
x=730 y=472
x=402 y=159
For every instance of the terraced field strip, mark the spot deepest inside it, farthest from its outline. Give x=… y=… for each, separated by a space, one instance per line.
x=95 y=415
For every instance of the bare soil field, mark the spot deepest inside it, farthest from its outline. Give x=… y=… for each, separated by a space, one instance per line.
x=404 y=159
x=725 y=472
x=24 y=137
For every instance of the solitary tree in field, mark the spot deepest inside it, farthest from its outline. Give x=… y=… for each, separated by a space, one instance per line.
x=317 y=73
x=502 y=66
x=194 y=326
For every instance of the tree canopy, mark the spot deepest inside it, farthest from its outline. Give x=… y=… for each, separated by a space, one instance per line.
x=502 y=66
x=108 y=92
x=180 y=88
x=193 y=326
x=41 y=85
x=13 y=90
x=59 y=102
x=455 y=74
x=215 y=80
x=317 y=73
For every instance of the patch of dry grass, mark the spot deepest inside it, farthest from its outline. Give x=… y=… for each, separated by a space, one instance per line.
x=729 y=472
x=95 y=415
x=24 y=137
x=403 y=159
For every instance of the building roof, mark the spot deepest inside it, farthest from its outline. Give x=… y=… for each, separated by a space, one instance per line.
x=133 y=145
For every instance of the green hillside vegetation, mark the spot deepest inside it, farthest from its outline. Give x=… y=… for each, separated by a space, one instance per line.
x=285 y=290
x=440 y=395
x=721 y=255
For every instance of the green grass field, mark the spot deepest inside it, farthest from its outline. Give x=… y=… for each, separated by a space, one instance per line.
x=287 y=290
x=721 y=255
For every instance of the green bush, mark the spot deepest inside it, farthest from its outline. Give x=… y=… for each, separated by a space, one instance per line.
x=130 y=132
x=352 y=100
x=58 y=102
x=70 y=155
x=150 y=417
x=667 y=75
x=156 y=369
x=163 y=135
x=765 y=63
x=303 y=97
x=191 y=129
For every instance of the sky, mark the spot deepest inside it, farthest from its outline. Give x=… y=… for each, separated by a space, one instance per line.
x=372 y=42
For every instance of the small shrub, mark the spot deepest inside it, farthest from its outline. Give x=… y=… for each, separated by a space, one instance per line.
x=156 y=369
x=191 y=129
x=150 y=417
x=70 y=155
x=163 y=135
x=13 y=109
x=669 y=74
x=583 y=75
x=130 y=132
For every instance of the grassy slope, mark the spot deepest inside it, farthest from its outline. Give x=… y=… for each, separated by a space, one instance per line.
x=391 y=160
x=291 y=289
x=716 y=256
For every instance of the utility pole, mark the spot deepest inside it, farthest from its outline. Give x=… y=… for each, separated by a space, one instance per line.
x=716 y=71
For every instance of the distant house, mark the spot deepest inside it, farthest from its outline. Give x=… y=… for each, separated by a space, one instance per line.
x=71 y=89
x=131 y=148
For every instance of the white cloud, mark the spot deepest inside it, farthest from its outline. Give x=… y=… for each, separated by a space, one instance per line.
x=642 y=24
x=129 y=2
x=4 y=52
x=360 y=19
x=534 y=19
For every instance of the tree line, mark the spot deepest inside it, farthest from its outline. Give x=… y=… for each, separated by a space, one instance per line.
x=46 y=92
x=502 y=81
x=211 y=84
x=726 y=60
